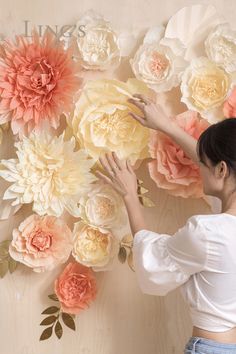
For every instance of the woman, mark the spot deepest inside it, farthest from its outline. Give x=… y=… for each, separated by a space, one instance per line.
x=201 y=256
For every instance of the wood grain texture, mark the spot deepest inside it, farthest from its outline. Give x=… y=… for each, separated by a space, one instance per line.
x=122 y=319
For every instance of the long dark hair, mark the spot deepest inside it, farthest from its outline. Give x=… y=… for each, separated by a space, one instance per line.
x=218 y=143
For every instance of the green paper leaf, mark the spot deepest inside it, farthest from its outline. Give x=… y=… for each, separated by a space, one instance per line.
x=48 y=320
x=130 y=260
x=58 y=330
x=50 y=310
x=53 y=297
x=68 y=320
x=46 y=333
x=12 y=264
x=122 y=254
x=3 y=268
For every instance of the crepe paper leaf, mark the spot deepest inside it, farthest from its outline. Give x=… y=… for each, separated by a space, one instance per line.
x=130 y=260
x=3 y=268
x=3 y=253
x=46 y=333
x=48 y=320
x=122 y=254
x=143 y=190
x=139 y=181
x=53 y=297
x=147 y=202
x=50 y=310
x=12 y=265
x=58 y=330
x=68 y=320
x=127 y=239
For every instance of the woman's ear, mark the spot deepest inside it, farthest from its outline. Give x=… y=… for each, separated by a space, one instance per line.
x=221 y=169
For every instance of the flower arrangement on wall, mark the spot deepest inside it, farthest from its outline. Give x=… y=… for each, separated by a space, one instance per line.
x=62 y=121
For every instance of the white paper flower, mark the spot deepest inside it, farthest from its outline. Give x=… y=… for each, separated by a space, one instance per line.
x=94 y=246
x=204 y=88
x=221 y=47
x=103 y=207
x=159 y=62
x=48 y=173
x=97 y=43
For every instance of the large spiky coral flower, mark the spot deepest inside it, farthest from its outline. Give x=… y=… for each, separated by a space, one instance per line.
x=38 y=81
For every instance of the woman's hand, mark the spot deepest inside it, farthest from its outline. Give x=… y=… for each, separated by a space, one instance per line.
x=122 y=177
x=153 y=115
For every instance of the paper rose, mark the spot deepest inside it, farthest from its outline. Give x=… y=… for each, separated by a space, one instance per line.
x=94 y=247
x=75 y=288
x=96 y=42
x=102 y=206
x=38 y=81
x=204 y=88
x=159 y=62
x=229 y=107
x=171 y=168
x=48 y=173
x=221 y=47
x=41 y=242
x=101 y=120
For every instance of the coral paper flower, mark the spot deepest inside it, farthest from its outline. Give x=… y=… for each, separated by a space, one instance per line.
x=94 y=247
x=41 y=242
x=101 y=121
x=171 y=169
x=75 y=288
x=229 y=107
x=49 y=173
x=38 y=80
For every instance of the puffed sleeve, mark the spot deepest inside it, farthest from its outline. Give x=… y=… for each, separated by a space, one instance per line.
x=163 y=262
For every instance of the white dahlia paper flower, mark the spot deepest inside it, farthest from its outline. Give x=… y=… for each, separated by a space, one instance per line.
x=221 y=47
x=159 y=62
x=48 y=173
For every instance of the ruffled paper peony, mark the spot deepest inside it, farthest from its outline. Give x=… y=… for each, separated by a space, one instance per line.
x=48 y=173
x=101 y=120
x=41 y=242
x=204 y=88
x=38 y=81
x=94 y=246
x=171 y=168
x=159 y=61
x=75 y=288
x=229 y=107
x=103 y=207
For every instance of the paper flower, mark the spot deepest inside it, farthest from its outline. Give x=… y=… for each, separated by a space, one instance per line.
x=97 y=43
x=204 y=88
x=102 y=206
x=159 y=62
x=41 y=242
x=101 y=121
x=48 y=173
x=229 y=107
x=94 y=247
x=221 y=47
x=75 y=288
x=171 y=168
x=38 y=80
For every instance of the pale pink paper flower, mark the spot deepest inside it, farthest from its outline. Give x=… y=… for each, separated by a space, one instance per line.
x=75 y=288
x=41 y=242
x=38 y=80
x=229 y=108
x=171 y=168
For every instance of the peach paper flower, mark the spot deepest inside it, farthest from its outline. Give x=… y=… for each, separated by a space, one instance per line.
x=41 y=242
x=75 y=288
x=38 y=80
x=229 y=108
x=171 y=169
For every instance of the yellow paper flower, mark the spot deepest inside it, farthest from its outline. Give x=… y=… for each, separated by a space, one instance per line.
x=204 y=88
x=48 y=173
x=101 y=121
x=94 y=247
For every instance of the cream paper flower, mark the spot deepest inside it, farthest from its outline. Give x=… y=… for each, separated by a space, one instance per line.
x=159 y=62
x=48 y=173
x=204 y=88
x=96 y=42
x=101 y=120
x=221 y=47
x=94 y=246
x=103 y=207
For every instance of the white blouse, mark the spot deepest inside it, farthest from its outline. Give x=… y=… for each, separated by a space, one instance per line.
x=200 y=258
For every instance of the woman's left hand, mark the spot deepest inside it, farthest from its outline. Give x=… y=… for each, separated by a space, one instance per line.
x=122 y=176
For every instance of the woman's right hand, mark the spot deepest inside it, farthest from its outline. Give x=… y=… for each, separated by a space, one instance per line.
x=154 y=116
